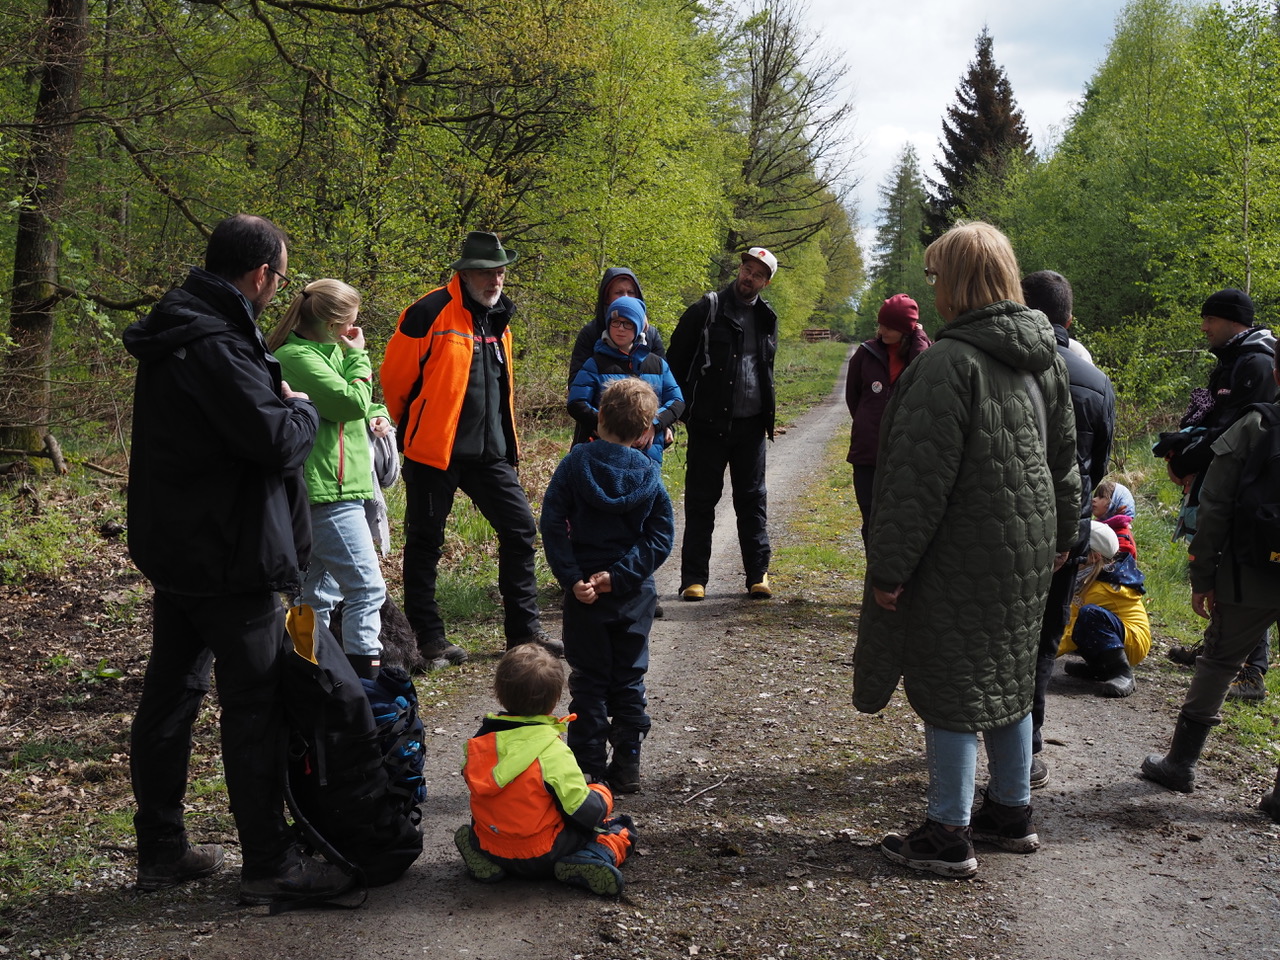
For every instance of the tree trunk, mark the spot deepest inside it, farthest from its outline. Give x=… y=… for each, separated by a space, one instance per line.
x=35 y=254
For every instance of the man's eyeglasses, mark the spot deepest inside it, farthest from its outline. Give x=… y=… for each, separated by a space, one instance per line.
x=283 y=281
x=930 y=277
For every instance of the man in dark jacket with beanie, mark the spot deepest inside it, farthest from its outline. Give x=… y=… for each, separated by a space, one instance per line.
x=1242 y=376
x=1094 y=402
x=218 y=523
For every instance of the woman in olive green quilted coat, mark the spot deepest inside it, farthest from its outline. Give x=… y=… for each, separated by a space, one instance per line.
x=977 y=496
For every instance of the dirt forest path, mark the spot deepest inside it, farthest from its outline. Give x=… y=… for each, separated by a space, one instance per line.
x=765 y=796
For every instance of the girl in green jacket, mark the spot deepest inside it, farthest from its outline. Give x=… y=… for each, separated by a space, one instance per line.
x=322 y=354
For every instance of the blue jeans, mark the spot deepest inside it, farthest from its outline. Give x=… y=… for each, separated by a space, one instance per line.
x=344 y=566
x=953 y=764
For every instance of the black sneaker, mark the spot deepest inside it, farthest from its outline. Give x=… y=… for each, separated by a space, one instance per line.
x=1039 y=772
x=203 y=860
x=302 y=879
x=1009 y=828
x=932 y=847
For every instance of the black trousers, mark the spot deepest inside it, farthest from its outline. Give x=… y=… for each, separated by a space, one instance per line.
x=495 y=490
x=607 y=646
x=743 y=452
x=244 y=636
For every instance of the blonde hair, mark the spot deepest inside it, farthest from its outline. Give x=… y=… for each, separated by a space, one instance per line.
x=627 y=408
x=322 y=305
x=977 y=264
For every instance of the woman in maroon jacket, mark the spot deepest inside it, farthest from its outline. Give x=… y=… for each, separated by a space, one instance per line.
x=873 y=371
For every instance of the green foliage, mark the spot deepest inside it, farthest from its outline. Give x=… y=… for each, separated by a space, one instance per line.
x=37 y=545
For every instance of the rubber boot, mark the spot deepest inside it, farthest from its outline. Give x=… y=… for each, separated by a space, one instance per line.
x=1271 y=800
x=623 y=774
x=1114 y=673
x=595 y=866
x=366 y=668
x=1177 y=770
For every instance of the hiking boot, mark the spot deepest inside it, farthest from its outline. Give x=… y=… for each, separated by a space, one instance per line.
x=592 y=869
x=481 y=868
x=694 y=591
x=554 y=647
x=1009 y=828
x=1039 y=772
x=1250 y=684
x=440 y=653
x=760 y=590
x=300 y=880
x=203 y=860
x=933 y=847
x=1270 y=804
x=1184 y=654
x=1177 y=770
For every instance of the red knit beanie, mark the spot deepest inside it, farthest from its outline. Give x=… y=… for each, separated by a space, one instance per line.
x=899 y=312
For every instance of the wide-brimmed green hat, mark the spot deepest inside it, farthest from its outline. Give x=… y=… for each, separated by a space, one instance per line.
x=483 y=251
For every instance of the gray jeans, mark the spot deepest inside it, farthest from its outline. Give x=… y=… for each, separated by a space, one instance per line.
x=1231 y=636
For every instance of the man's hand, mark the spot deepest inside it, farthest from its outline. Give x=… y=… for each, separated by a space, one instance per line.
x=888 y=599
x=288 y=394
x=1203 y=603
x=602 y=582
x=380 y=426
x=584 y=591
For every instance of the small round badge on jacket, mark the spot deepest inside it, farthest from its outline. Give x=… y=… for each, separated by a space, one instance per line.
x=877 y=387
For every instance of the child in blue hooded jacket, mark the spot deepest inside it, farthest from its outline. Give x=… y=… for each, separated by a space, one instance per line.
x=606 y=527
x=623 y=351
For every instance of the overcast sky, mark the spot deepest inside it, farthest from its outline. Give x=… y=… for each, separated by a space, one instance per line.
x=905 y=60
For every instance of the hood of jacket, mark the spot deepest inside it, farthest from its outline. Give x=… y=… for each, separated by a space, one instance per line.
x=1257 y=339
x=184 y=315
x=602 y=303
x=1015 y=335
x=615 y=479
x=531 y=736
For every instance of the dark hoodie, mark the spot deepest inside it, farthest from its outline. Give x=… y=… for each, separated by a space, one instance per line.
x=606 y=509
x=217 y=503
x=591 y=332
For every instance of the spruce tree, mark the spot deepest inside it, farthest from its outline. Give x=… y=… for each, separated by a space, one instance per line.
x=982 y=133
x=898 y=256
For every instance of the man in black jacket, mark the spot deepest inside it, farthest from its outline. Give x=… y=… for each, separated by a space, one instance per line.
x=218 y=523
x=1242 y=376
x=721 y=354
x=1094 y=403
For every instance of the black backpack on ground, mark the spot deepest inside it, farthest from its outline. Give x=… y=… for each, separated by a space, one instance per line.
x=356 y=755
x=1255 y=531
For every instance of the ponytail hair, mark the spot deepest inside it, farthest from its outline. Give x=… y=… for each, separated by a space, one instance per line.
x=321 y=305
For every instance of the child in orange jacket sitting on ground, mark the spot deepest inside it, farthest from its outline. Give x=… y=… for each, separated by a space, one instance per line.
x=533 y=814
